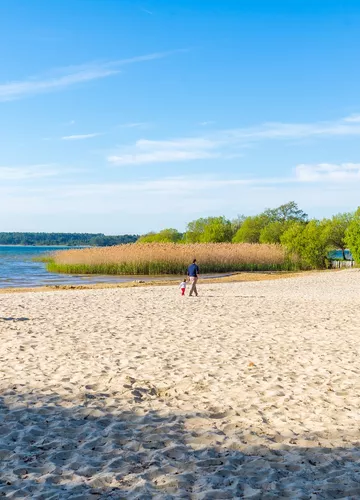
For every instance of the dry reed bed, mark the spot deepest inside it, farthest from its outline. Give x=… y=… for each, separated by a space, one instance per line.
x=171 y=258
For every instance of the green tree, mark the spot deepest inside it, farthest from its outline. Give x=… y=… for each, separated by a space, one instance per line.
x=250 y=229
x=194 y=230
x=148 y=238
x=169 y=235
x=237 y=223
x=352 y=236
x=218 y=230
x=287 y=212
x=309 y=242
x=208 y=230
x=272 y=232
x=336 y=231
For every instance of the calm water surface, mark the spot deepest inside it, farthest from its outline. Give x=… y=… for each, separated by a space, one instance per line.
x=17 y=269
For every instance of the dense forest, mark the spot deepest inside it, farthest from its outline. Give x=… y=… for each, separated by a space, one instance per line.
x=66 y=239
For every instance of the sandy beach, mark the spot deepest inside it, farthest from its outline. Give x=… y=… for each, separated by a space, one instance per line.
x=251 y=390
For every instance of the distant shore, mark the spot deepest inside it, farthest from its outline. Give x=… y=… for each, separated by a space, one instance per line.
x=46 y=245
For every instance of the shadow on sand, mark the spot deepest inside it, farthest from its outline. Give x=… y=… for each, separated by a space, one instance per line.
x=11 y=318
x=53 y=449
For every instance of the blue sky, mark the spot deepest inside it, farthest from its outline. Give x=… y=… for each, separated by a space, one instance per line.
x=124 y=116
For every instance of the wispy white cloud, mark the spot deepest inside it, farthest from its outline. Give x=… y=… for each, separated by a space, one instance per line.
x=206 y=123
x=138 y=125
x=203 y=185
x=328 y=172
x=167 y=185
x=160 y=157
x=24 y=172
x=66 y=77
x=20 y=89
x=322 y=173
x=136 y=202
x=342 y=127
x=354 y=118
x=146 y=151
x=80 y=137
x=191 y=143
x=303 y=174
x=227 y=144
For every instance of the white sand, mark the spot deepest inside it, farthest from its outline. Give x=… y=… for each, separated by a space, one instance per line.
x=251 y=390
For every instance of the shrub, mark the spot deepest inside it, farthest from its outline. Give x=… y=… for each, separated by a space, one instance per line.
x=309 y=242
x=352 y=236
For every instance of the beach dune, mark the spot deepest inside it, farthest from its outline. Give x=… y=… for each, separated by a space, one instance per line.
x=251 y=390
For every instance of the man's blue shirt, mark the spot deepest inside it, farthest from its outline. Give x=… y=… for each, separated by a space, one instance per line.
x=193 y=270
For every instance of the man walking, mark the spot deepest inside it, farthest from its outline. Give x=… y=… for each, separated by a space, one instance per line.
x=193 y=273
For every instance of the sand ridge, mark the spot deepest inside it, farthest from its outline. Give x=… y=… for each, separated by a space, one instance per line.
x=249 y=391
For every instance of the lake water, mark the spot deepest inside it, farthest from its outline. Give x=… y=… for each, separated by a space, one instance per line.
x=17 y=269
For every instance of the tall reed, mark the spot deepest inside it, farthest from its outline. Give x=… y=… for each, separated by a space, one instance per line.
x=172 y=258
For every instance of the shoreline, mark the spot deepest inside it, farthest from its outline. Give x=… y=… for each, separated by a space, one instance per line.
x=230 y=278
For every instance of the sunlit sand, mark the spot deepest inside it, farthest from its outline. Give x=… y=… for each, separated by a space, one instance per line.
x=251 y=391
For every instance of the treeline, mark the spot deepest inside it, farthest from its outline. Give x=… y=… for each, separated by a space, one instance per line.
x=65 y=239
x=309 y=240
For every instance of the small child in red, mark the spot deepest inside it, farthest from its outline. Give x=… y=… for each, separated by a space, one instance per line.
x=182 y=286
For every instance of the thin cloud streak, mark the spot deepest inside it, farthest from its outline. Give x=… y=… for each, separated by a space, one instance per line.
x=160 y=157
x=226 y=144
x=328 y=172
x=354 y=118
x=169 y=185
x=146 y=151
x=17 y=90
x=344 y=127
x=80 y=137
x=320 y=174
x=136 y=125
x=160 y=196
x=66 y=77
x=206 y=123
x=26 y=172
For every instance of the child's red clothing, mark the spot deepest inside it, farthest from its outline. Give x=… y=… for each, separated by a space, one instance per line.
x=182 y=286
